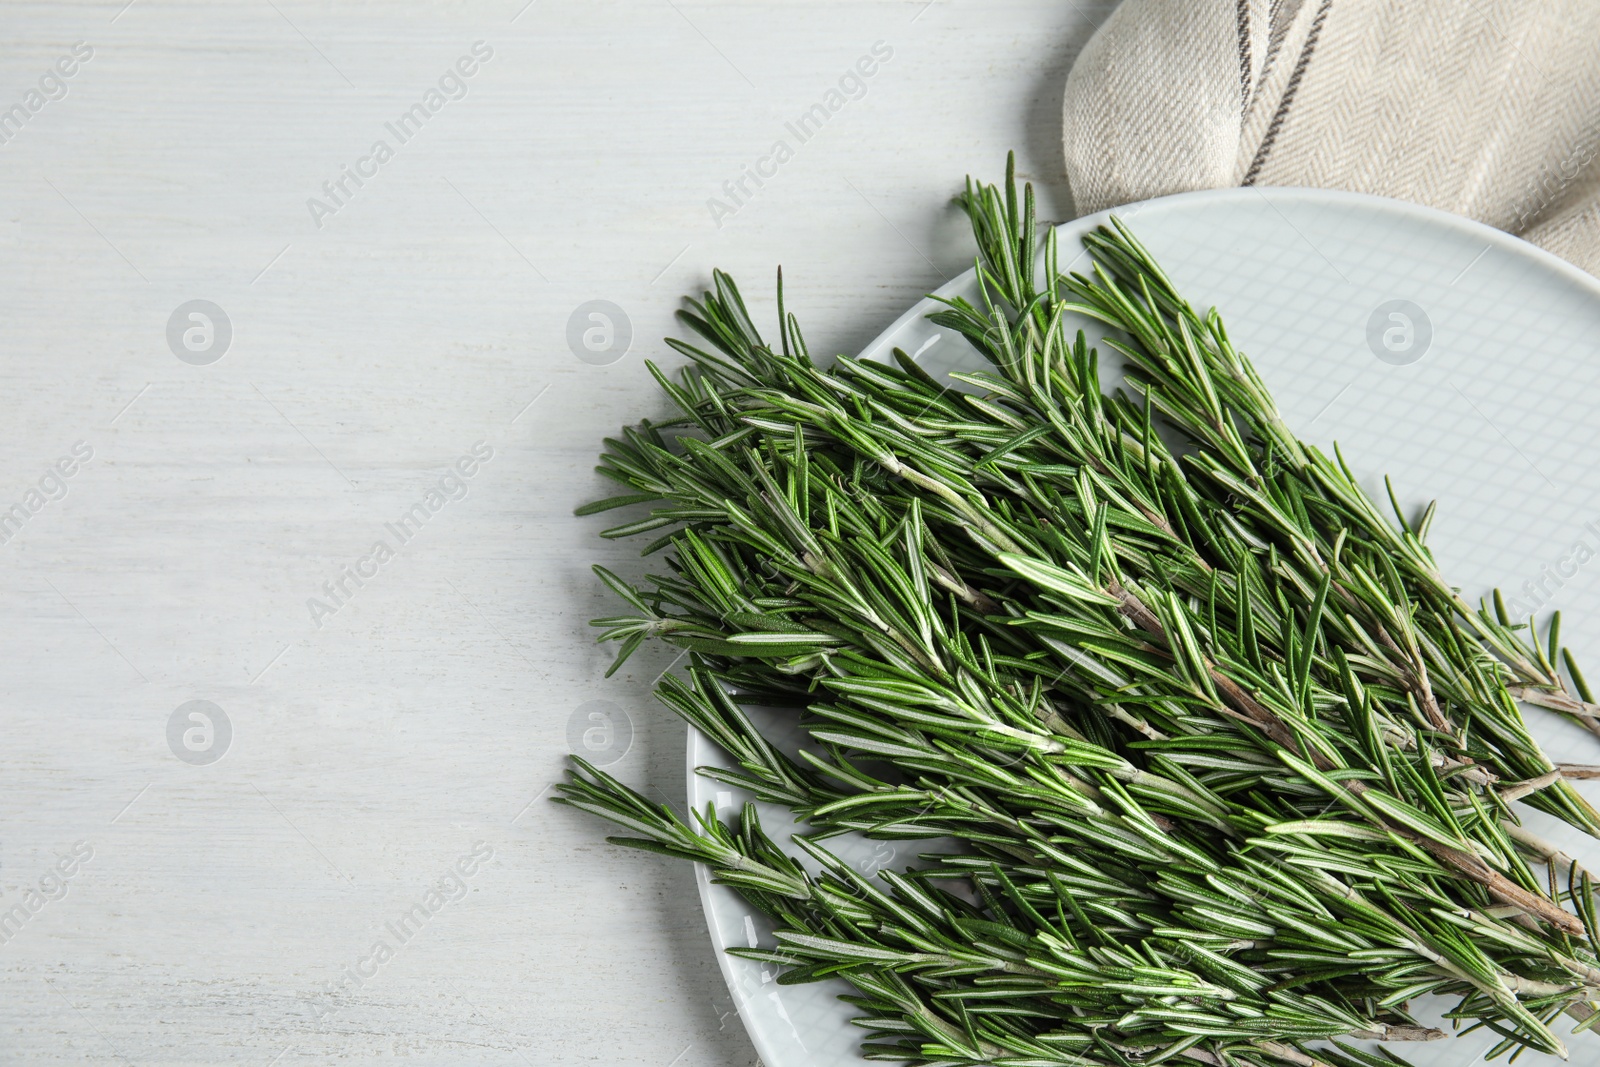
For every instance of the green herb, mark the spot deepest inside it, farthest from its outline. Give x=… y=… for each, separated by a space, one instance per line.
x=1230 y=764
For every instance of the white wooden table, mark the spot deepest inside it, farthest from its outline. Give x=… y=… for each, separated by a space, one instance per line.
x=159 y=905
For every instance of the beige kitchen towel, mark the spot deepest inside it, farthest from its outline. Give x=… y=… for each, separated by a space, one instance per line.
x=1487 y=108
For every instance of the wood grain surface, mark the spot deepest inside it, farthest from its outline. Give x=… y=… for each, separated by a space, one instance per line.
x=387 y=756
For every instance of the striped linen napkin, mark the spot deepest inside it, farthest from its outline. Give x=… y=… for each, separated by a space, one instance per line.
x=1485 y=108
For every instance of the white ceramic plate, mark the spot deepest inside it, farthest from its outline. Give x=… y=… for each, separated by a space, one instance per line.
x=1488 y=400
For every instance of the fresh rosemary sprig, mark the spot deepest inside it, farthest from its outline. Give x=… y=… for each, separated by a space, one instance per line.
x=1232 y=764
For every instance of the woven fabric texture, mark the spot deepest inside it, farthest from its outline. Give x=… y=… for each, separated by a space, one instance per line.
x=1486 y=108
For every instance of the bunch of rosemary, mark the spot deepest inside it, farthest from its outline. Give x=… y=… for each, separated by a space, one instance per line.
x=1229 y=764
